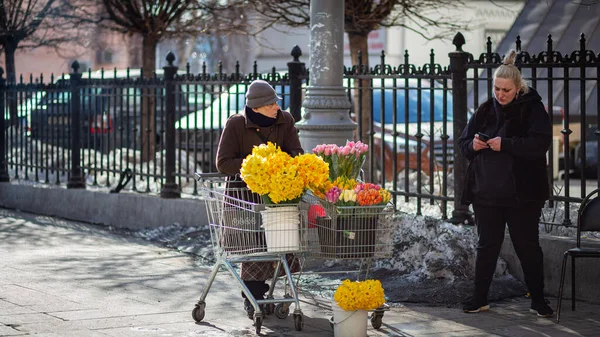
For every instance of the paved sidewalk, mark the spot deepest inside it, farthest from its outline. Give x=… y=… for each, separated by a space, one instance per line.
x=60 y=278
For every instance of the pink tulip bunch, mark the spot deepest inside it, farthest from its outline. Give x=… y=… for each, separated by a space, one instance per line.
x=354 y=148
x=344 y=161
x=325 y=149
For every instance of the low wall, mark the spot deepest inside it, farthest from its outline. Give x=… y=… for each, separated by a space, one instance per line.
x=587 y=270
x=122 y=210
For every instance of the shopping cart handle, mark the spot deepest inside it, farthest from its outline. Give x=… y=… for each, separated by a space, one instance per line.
x=203 y=176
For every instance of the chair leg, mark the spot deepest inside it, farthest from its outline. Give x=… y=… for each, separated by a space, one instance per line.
x=561 y=286
x=572 y=282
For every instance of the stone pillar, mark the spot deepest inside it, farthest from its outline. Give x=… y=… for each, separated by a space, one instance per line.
x=326 y=118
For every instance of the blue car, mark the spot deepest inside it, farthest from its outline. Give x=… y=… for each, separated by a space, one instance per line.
x=407 y=124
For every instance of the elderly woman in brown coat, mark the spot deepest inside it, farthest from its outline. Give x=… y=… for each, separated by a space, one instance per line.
x=262 y=121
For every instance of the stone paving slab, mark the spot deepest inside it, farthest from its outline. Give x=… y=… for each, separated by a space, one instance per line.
x=66 y=279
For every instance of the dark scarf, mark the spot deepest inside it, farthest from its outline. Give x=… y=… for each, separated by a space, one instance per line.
x=260 y=119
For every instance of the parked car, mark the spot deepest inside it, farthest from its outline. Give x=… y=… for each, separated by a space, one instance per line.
x=110 y=113
x=575 y=147
x=405 y=142
x=23 y=110
x=198 y=133
x=591 y=153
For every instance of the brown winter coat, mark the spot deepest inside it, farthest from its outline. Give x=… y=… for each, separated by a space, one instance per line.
x=239 y=137
x=237 y=141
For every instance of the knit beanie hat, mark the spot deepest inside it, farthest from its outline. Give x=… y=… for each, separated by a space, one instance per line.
x=260 y=93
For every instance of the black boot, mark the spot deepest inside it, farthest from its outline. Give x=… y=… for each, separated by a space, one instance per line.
x=249 y=308
x=258 y=290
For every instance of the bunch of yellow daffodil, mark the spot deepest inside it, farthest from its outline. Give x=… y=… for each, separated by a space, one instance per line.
x=273 y=173
x=363 y=295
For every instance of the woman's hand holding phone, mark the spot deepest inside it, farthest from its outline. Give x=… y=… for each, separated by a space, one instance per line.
x=480 y=141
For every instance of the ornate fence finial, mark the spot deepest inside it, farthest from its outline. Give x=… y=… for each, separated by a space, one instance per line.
x=458 y=41
x=518 y=43
x=75 y=66
x=170 y=58
x=296 y=53
x=488 y=45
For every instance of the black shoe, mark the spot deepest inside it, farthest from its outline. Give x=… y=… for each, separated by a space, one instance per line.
x=474 y=306
x=249 y=308
x=541 y=308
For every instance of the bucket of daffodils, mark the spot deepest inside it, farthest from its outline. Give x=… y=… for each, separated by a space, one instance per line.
x=282 y=180
x=351 y=302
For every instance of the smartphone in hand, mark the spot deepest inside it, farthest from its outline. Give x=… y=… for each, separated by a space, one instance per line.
x=483 y=137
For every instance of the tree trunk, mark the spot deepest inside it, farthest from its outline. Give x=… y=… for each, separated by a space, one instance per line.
x=134 y=44
x=148 y=132
x=362 y=98
x=11 y=77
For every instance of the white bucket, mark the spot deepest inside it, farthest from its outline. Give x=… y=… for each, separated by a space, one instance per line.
x=282 y=231
x=349 y=323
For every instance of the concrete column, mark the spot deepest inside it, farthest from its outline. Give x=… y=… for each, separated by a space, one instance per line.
x=326 y=117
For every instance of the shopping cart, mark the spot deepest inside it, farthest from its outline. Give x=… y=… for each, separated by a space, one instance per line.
x=243 y=229
x=360 y=233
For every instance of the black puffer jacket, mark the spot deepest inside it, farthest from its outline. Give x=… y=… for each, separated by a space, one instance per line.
x=517 y=174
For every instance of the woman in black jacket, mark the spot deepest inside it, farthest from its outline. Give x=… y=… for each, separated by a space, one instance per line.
x=506 y=141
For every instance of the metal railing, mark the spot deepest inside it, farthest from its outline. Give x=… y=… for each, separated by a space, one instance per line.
x=166 y=127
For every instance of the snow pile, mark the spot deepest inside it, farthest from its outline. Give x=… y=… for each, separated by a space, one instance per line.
x=425 y=247
x=29 y=153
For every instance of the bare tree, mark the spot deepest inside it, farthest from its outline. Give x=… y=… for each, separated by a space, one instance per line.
x=153 y=21
x=423 y=17
x=27 y=24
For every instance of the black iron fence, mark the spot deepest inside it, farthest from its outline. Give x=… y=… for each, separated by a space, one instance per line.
x=97 y=125
x=410 y=109
x=86 y=129
x=568 y=84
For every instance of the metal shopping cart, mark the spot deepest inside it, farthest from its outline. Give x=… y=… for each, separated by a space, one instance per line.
x=360 y=233
x=243 y=229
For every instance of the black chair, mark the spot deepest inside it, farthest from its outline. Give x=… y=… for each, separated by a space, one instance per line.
x=588 y=219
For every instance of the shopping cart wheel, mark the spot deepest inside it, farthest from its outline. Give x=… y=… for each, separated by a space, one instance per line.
x=198 y=312
x=282 y=311
x=298 y=322
x=376 y=319
x=258 y=324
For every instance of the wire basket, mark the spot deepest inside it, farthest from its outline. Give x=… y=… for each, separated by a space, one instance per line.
x=350 y=232
x=241 y=224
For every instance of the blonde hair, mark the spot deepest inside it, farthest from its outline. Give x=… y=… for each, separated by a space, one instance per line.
x=508 y=71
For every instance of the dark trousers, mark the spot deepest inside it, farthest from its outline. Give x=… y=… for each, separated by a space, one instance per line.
x=257 y=289
x=523 y=228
